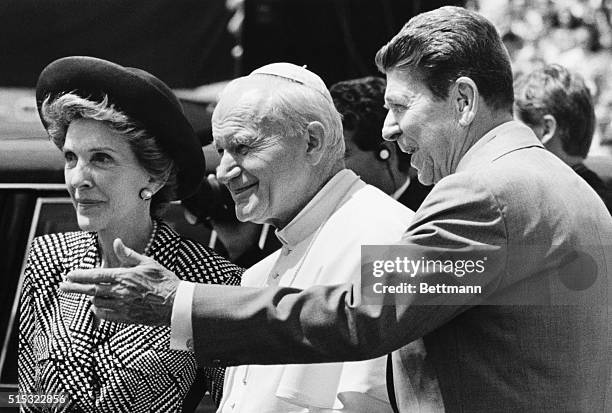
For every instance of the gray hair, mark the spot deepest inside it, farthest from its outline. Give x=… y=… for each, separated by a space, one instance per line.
x=289 y=107
x=58 y=114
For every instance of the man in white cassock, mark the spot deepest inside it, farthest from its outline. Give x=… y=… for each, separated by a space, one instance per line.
x=282 y=157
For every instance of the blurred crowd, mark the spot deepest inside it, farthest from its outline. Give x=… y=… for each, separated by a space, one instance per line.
x=574 y=33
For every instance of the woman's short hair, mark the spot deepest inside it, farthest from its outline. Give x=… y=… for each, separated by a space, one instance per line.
x=60 y=112
x=450 y=42
x=556 y=91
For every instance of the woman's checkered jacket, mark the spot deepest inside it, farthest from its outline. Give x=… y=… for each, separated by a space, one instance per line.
x=105 y=366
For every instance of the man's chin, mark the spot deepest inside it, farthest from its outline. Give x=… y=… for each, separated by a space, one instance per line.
x=247 y=213
x=425 y=177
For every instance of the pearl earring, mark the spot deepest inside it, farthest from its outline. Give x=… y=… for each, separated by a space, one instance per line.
x=146 y=194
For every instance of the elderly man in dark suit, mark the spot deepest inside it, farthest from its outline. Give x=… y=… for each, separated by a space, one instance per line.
x=542 y=342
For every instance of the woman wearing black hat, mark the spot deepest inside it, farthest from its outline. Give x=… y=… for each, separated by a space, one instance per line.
x=128 y=152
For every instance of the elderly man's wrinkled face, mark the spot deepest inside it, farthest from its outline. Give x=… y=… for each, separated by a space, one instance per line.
x=422 y=125
x=266 y=172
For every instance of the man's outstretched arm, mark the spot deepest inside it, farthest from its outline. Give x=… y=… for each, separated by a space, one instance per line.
x=241 y=325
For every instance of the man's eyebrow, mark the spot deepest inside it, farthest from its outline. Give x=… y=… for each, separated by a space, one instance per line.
x=397 y=98
x=242 y=137
x=239 y=138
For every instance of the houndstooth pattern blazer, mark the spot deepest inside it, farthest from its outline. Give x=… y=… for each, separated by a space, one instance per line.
x=104 y=366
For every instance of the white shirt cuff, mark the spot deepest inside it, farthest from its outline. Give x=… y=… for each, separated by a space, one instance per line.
x=181 y=329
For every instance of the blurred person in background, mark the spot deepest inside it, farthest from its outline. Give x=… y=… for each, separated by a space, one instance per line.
x=587 y=58
x=378 y=162
x=574 y=34
x=557 y=105
x=603 y=117
x=128 y=152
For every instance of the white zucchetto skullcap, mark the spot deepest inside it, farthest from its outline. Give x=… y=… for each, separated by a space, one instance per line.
x=296 y=74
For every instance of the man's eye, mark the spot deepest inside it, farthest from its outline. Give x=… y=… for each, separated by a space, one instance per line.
x=101 y=157
x=242 y=149
x=70 y=158
x=396 y=107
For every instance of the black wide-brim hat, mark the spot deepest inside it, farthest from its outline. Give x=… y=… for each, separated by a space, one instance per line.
x=139 y=95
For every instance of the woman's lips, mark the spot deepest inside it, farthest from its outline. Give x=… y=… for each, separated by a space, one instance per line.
x=87 y=201
x=86 y=205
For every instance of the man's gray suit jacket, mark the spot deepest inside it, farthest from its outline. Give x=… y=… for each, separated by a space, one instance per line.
x=538 y=339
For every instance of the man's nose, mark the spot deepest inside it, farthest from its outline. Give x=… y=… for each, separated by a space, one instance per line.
x=391 y=130
x=228 y=169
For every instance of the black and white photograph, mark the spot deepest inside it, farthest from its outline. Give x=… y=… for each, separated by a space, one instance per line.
x=306 y=206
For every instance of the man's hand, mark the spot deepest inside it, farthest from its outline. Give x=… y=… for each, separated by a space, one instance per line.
x=142 y=292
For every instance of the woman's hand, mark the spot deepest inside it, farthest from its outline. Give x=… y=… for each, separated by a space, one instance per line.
x=141 y=292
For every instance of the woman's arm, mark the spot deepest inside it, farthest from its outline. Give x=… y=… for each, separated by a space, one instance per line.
x=26 y=362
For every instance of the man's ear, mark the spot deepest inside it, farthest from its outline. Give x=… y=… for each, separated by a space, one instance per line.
x=466 y=99
x=316 y=142
x=549 y=127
